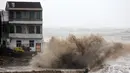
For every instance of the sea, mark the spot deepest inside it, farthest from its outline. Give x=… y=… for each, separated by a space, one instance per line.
x=110 y=34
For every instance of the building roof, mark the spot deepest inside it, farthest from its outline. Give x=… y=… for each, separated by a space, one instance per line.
x=14 y=4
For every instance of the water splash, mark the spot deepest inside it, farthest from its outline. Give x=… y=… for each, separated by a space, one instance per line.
x=77 y=53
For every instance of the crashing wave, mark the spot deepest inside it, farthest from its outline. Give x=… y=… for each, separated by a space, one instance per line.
x=79 y=52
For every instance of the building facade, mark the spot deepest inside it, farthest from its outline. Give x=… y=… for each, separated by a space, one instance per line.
x=25 y=24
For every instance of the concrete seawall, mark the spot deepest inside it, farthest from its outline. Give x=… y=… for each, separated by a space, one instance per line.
x=49 y=71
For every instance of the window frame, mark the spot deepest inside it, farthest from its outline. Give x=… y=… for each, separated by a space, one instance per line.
x=25 y=15
x=18 y=15
x=11 y=28
x=18 y=43
x=38 y=15
x=30 y=27
x=31 y=43
x=20 y=29
x=32 y=15
x=38 y=29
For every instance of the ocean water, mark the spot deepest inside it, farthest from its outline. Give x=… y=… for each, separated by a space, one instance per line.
x=109 y=34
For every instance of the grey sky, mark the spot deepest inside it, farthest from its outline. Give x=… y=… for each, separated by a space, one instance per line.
x=85 y=13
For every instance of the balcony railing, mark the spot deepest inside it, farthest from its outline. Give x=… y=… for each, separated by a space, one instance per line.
x=18 y=35
x=24 y=19
x=25 y=22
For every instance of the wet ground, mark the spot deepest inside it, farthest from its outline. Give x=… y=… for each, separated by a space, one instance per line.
x=15 y=68
x=11 y=61
x=121 y=65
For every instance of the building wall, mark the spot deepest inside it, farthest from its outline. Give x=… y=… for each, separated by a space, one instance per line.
x=25 y=18
x=17 y=35
x=26 y=42
x=25 y=36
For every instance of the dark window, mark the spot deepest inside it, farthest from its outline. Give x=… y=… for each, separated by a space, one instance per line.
x=38 y=30
x=11 y=29
x=4 y=42
x=38 y=15
x=32 y=15
x=18 y=15
x=18 y=29
x=25 y=15
x=11 y=15
x=14 y=15
x=31 y=29
x=18 y=43
x=31 y=43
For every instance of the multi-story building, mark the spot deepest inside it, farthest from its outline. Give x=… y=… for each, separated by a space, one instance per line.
x=25 y=22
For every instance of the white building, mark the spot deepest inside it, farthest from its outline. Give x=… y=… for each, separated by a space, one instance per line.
x=25 y=22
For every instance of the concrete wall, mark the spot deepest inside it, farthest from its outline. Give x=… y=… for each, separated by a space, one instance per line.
x=50 y=71
x=26 y=42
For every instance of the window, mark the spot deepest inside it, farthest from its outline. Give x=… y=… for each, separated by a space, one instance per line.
x=32 y=15
x=18 y=43
x=11 y=15
x=4 y=42
x=18 y=15
x=11 y=29
x=25 y=15
x=38 y=30
x=31 y=29
x=31 y=43
x=14 y=15
x=18 y=29
x=38 y=15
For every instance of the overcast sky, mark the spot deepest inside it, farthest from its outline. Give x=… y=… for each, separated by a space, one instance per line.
x=85 y=13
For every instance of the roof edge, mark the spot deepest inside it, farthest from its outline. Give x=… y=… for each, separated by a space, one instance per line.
x=40 y=6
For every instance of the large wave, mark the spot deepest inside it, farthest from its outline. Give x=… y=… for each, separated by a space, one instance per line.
x=78 y=53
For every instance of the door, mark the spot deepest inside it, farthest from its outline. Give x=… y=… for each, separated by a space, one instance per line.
x=38 y=47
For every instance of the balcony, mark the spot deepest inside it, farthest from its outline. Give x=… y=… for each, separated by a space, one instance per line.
x=25 y=21
x=18 y=35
